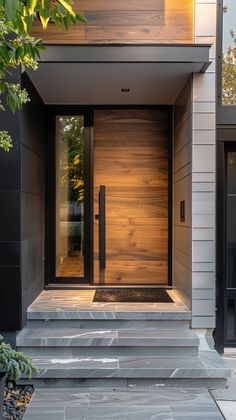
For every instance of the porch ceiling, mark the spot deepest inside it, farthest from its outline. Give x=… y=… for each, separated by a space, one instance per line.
x=96 y=75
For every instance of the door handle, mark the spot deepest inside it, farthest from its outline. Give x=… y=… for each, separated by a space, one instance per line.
x=102 y=226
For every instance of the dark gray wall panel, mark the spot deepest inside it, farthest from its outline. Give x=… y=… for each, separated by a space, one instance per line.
x=10 y=253
x=11 y=122
x=32 y=197
x=10 y=169
x=10 y=277
x=32 y=172
x=9 y=215
x=10 y=308
x=32 y=216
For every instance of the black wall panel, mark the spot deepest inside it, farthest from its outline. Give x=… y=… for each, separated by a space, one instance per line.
x=22 y=192
x=32 y=197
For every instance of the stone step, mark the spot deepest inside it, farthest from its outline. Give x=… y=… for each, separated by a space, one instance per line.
x=131 y=312
x=208 y=365
x=106 y=324
x=72 y=337
x=110 y=351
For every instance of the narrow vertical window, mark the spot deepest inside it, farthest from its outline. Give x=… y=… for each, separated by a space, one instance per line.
x=69 y=196
x=229 y=53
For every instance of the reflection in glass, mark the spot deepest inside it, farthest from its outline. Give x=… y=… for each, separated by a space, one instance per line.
x=231 y=221
x=69 y=196
x=229 y=53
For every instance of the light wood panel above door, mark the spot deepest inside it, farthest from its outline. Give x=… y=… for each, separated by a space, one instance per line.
x=135 y=21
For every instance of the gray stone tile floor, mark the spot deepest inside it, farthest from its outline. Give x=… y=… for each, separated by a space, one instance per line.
x=120 y=404
x=65 y=304
x=226 y=398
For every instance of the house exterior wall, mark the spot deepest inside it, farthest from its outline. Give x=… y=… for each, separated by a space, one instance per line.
x=153 y=21
x=22 y=211
x=194 y=181
x=182 y=191
x=33 y=139
x=203 y=174
x=10 y=232
x=135 y=21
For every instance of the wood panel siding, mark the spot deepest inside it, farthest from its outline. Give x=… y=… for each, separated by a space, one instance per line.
x=131 y=159
x=136 y=21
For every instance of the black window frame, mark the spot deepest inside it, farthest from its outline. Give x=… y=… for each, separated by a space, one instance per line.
x=50 y=277
x=226 y=141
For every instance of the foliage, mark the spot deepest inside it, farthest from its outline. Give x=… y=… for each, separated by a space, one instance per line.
x=14 y=363
x=229 y=74
x=18 y=48
x=72 y=164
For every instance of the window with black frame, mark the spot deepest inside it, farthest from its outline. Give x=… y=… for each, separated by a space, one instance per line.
x=231 y=245
x=229 y=53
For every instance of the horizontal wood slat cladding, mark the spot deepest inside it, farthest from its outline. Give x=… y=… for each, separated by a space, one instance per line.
x=131 y=159
x=136 y=21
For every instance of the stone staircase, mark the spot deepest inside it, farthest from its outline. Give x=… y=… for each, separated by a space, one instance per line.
x=122 y=348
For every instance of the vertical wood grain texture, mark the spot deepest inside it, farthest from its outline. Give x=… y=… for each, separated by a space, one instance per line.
x=131 y=159
x=135 y=21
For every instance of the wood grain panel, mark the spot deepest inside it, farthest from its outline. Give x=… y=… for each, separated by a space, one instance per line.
x=130 y=5
x=135 y=173
x=53 y=35
x=136 y=33
x=128 y=272
x=136 y=21
x=135 y=18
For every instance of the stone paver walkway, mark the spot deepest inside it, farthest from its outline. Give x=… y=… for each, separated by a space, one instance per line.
x=122 y=404
x=226 y=398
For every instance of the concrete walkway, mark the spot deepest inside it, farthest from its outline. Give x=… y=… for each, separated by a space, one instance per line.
x=226 y=398
x=122 y=404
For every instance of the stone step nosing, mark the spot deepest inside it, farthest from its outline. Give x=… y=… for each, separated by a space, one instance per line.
x=103 y=342
x=73 y=338
x=207 y=365
x=141 y=373
x=181 y=351
x=108 y=315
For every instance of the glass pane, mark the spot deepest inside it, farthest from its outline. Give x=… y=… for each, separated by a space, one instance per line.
x=231 y=221
x=231 y=319
x=69 y=196
x=229 y=53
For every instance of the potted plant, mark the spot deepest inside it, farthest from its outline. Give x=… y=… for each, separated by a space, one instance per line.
x=13 y=365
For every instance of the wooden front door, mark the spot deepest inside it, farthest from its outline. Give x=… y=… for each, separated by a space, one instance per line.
x=131 y=163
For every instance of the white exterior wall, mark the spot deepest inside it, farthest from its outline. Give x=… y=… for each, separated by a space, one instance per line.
x=203 y=174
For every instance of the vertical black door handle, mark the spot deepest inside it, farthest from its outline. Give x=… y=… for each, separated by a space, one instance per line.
x=102 y=226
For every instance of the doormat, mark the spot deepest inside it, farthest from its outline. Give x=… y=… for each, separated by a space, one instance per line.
x=132 y=295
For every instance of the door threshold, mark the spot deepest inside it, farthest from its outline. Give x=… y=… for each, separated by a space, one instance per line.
x=54 y=286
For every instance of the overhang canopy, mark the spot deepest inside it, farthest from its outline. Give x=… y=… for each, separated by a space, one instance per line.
x=117 y=74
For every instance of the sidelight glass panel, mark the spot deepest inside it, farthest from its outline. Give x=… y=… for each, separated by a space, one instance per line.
x=229 y=53
x=70 y=196
x=231 y=319
x=231 y=221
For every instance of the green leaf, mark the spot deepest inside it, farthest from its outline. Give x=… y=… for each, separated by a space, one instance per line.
x=11 y=7
x=81 y=18
x=67 y=7
x=44 y=21
x=33 y=4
